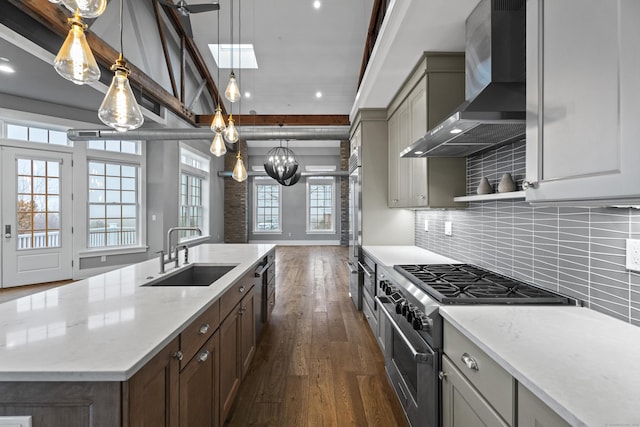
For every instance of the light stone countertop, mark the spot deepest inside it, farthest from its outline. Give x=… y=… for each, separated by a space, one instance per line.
x=583 y=364
x=106 y=327
x=392 y=255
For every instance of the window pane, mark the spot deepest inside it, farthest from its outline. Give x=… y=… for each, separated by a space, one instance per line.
x=39 y=168
x=129 y=147
x=95 y=145
x=96 y=196
x=38 y=135
x=17 y=132
x=53 y=169
x=128 y=184
x=128 y=197
x=57 y=137
x=112 y=170
x=96 y=211
x=113 y=197
x=128 y=211
x=113 y=183
x=96 y=168
x=112 y=146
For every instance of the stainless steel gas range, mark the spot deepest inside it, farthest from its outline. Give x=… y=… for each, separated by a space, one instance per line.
x=410 y=327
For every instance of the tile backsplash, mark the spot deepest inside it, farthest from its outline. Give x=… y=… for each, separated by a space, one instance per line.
x=576 y=251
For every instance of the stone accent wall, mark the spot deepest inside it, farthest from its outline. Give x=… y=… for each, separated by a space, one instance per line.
x=236 y=224
x=344 y=194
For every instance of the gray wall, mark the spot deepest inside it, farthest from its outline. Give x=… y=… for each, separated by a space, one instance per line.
x=294 y=202
x=577 y=251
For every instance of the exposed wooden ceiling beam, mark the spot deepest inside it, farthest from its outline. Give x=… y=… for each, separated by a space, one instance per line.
x=281 y=119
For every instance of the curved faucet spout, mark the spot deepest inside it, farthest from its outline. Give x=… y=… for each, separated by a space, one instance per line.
x=174 y=229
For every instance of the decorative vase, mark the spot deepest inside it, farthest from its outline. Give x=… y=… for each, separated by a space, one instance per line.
x=506 y=184
x=484 y=187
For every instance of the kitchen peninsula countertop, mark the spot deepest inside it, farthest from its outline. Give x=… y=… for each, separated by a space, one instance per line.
x=392 y=255
x=106 y=327
x=583 y=364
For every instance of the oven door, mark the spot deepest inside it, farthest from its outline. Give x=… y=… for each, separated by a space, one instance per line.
x=412 y=367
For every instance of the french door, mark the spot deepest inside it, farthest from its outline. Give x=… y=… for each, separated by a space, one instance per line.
x=36 y=216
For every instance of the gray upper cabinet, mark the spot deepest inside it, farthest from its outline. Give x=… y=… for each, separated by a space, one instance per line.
x=432 y=90
x=582 y=101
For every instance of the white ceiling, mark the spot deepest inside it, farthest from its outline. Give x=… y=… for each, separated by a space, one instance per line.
x=300 y=50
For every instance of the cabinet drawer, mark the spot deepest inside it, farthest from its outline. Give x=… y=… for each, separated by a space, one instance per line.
x=493 y=382
x=198 y=332
x=234 y=295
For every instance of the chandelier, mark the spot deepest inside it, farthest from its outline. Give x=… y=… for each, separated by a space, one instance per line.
x=280 y=164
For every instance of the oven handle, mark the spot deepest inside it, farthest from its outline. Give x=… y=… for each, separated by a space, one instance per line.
x=365 y=269
x=417 y=356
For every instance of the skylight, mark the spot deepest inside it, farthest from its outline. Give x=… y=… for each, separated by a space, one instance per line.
x=243 y=55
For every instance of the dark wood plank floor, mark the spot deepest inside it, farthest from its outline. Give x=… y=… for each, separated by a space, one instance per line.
x=317 y=363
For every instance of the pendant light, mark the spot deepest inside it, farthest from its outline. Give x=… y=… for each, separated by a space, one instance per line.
x=280 y=163
x=85 y=8
x=217 y=146
x=75 y=61
x=232 y=93
x=231 y=133
x=239 y=171
x=217 y=125
x=119 y=109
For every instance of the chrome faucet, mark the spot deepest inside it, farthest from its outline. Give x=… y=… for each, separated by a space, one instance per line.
x=174 y=258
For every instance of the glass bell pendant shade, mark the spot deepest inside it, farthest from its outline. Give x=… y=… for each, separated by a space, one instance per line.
x=119 y=109
x=217 y=146
x=75 y=61
x=217 y=125
x=232 y=93
x=86 y=8
x=231 y=133
x=239 y=171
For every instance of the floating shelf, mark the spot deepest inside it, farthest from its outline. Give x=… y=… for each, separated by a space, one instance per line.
x=513 y=195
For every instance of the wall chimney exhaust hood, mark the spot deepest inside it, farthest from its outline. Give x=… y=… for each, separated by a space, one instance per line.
x=494 y=110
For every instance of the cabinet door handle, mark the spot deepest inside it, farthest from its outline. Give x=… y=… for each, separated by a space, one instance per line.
x=204 y=329
x=178 y=355
x=203 y=356
x=469 y=361
x=241 y=289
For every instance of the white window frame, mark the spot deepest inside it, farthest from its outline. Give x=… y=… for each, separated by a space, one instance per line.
x=263 y=180
x=139 y=161
x=322 y=180
x=202 y=173
x=36 y=125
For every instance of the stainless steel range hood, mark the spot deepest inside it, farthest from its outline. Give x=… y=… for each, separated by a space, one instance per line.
x=494 y=110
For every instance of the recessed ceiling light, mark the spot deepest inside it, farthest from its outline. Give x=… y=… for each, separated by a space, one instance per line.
x=247 y=94
x=455 y=130
x=419 y=152
x=318 y=94
x=317 y=4
x=5 y=66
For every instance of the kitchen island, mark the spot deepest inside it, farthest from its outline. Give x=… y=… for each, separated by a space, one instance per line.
x=100 y=332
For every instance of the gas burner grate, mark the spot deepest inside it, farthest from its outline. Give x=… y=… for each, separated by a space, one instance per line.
x=469 y=284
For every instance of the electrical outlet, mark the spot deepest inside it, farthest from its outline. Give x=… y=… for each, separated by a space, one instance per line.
x=633 y=254
x=426 y=225
x=448 y=228
x=103 y=258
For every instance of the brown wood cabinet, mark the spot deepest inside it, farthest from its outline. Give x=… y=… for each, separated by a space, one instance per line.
x=199 y=387
x=237 y=346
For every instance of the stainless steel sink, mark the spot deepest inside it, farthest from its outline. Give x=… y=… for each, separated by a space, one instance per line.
x=195 y=275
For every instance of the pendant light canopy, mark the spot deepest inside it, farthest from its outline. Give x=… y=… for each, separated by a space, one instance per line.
x=239 y=171
x=217 y=146
x=85 y=8
x=119 y=109
x=75 y=61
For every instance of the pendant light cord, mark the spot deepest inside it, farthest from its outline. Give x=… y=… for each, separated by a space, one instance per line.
x=232 y=36
x=121 y=44
x=218 y=64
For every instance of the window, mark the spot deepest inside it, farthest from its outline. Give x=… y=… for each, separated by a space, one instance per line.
x=194 y=177
x=37 y=134
x=113 y=204
x=320 y=204
x=267 y=202
x=114 y=171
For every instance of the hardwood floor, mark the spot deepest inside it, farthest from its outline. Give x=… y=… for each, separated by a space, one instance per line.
x=8 y=294
x=317 y=363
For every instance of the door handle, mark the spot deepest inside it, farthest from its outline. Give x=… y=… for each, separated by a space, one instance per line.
x=7 y=231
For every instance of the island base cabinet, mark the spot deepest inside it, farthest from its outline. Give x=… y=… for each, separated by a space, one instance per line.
x=151 y=396
x=462 y=404
x=199 y=382
x=533 y=412
x=247 y=330
x=62 y=404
